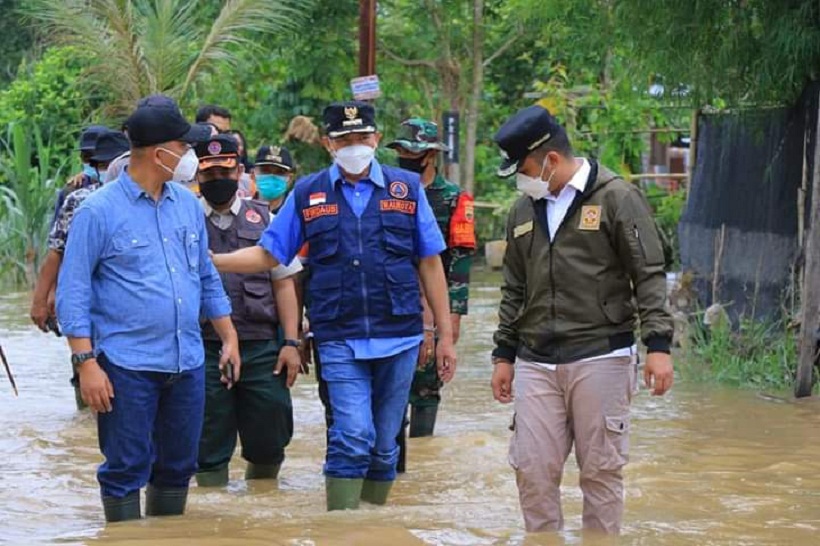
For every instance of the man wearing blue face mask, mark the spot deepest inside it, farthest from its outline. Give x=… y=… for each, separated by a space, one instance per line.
x=273 y=175
x=372 y=237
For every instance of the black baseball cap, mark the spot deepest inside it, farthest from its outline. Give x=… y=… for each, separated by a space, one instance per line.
x=110 y=145
x=218 y=151
x=342 y=118
x=521 y=134
x=158 y=119
x=278 y=156
x=89 y=136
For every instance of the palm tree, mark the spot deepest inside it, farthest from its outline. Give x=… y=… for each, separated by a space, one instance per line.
x=141 y=47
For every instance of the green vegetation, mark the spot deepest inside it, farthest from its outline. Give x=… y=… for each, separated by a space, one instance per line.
x=755 y=355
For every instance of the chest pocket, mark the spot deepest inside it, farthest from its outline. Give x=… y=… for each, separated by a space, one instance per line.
x=399 y=233
x=190 y=244
x=248 y=237
x=322 y=234
x=131 y=251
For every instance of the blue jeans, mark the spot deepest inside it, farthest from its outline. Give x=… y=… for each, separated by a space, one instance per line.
x=152 y=433
x=368 y=399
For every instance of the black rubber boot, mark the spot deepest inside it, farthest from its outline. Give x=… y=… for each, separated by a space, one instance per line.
x=165 y=501
x=262 y=471
x=213 y=478
x=422 y=420
x=122 y=509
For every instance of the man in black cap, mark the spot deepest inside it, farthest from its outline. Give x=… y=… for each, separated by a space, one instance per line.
x=273 y=175
x=259 y=409
x=583 y=255
x=137 y=275
x=371 y=236
x=108 y=146
x=88 y=176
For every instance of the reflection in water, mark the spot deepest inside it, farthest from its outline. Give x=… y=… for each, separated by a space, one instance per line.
x=709 y=466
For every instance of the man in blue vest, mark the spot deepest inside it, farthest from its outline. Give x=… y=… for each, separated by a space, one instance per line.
x=372 y=235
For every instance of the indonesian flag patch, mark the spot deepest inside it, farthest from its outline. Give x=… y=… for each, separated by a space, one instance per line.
x=319 y=198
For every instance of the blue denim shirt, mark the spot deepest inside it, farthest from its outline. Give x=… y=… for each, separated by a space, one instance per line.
x=284 y=237
x=137 y=274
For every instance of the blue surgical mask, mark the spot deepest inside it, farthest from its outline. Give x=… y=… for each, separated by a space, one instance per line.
x=91 y=172
x=271 y=186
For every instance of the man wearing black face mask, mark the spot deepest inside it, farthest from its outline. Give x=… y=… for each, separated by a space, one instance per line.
x=418 y=148
x=259 y=408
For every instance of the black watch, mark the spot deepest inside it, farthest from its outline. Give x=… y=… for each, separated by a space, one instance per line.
x=292 y=343
x=77 y=359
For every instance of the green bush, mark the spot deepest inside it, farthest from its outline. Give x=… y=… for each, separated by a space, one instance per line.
x=755 y=355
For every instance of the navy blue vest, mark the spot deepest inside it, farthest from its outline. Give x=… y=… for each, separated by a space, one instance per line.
x=363 y=271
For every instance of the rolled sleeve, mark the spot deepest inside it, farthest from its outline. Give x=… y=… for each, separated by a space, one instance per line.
x=284 y=271
x=429 y=239
x=82 y=255
x=215 y=303
x=283 y=237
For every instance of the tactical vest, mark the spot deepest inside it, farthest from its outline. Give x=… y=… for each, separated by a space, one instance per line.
x=254 y=307
x=363 y=279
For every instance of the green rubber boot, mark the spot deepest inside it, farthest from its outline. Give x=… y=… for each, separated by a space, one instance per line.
x=343 y=493
x=262 y=471
x=422 y=420
x=125 y=509
x=165 y=501
x=213 y=478
x=376 y=492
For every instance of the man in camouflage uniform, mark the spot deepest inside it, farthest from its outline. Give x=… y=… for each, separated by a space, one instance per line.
x=418 y=148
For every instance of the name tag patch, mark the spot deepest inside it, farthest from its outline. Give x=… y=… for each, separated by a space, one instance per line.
x=522 y=229
x=590 y=218
x=312 y=213
x=397 y=205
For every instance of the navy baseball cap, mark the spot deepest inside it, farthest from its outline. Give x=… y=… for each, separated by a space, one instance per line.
x=278 y=156
x=521 y=134
x=158 y=119
x=110 y=145
x=89 y=136
x=342 y=118
x=218 y=151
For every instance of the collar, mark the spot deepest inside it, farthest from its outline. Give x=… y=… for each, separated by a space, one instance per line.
x=376 y=176
x=577 y=183
x=236 y=206
x=134 y=191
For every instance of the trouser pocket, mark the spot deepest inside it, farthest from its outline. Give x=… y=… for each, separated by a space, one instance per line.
x=616 y=442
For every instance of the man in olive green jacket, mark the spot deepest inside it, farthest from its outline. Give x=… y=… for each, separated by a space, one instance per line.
x=583 y=259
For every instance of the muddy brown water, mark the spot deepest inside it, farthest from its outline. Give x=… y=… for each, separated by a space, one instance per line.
x=708 y=466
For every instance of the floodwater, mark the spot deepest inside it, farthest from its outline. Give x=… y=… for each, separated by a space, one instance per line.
x=709 y=467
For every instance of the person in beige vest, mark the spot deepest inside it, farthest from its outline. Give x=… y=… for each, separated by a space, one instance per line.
x=584 y=260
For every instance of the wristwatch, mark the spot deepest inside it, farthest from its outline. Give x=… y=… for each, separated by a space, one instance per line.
x=292 y=343
x=77 y=359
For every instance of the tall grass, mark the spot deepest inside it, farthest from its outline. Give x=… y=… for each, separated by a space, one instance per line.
x=28 y=186
x=756 y=355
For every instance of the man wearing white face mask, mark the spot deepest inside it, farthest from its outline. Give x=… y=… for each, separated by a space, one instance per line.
x=583 y=261
x=371 y=236
x=137 y=277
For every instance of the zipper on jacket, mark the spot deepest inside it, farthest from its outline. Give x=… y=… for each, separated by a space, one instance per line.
x=363 y=280
x=637 y=234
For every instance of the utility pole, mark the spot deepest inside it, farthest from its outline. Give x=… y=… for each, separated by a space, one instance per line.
x=810 y=298
x=367 y=37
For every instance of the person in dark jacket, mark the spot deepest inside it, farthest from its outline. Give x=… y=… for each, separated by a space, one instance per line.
x=583 y=260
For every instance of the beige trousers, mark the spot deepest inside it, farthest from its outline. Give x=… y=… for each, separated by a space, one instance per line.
x=585 y=403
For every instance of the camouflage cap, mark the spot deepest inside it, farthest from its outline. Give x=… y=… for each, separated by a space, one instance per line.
x=418 y=135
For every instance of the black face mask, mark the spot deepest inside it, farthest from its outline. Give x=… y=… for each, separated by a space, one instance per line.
x=413 y=164
x=220 y=191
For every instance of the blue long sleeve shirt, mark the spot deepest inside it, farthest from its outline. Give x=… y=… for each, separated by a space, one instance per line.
x=136 y=277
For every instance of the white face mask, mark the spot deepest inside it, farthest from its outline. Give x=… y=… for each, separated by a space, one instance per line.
x=533 y=186
x=354 y=159
x=185 y=170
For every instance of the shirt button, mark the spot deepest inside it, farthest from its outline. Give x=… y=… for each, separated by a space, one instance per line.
x=165 y=239
x=173 y=270
x=179 y=332
x=356 y=263
x=180 y=300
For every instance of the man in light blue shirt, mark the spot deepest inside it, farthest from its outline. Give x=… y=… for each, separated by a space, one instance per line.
x=372 y=237
x=136 y=278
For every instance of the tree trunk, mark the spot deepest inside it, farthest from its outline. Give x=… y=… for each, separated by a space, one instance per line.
x=475 y=96
x=810 y=315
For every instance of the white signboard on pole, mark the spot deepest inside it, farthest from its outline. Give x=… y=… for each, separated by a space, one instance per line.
x=365 y=88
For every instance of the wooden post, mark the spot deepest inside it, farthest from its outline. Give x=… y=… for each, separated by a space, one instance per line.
x=810 y=298
x=367 y=37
